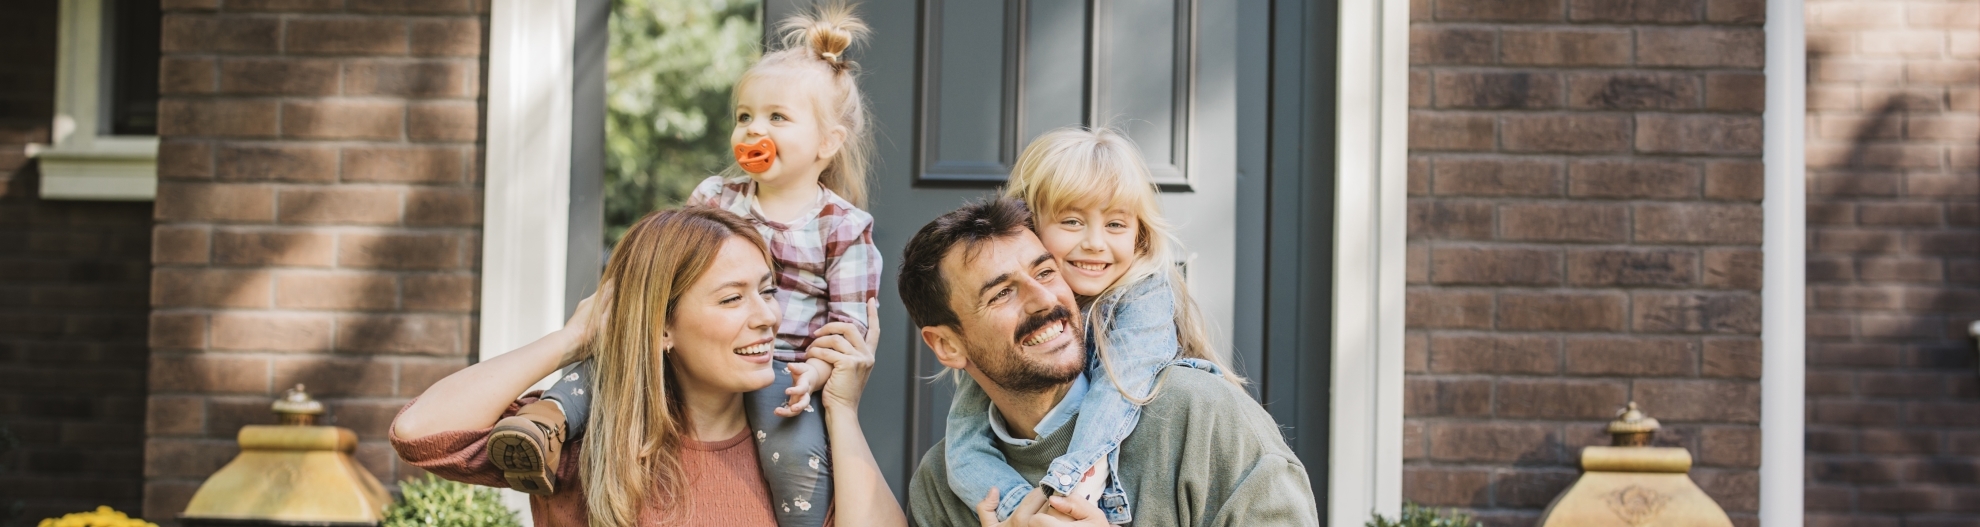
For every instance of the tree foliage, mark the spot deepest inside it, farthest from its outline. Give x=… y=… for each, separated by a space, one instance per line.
x=671 y=67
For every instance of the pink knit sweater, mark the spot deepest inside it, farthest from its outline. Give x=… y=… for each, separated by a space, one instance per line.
x=725 y=487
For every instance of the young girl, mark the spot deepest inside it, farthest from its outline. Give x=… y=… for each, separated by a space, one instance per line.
x=1094 y=206
x=801 y=142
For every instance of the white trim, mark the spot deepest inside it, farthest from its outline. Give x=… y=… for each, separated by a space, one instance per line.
x=1783 y=394
x=82 y=164
x=527 y=179
x=1364 y=470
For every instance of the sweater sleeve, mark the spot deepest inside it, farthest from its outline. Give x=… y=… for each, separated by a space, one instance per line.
x=459 y=455
x=1274 y=492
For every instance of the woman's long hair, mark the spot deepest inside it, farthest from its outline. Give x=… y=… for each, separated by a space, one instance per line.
x=637 y=419
x=1075 y=167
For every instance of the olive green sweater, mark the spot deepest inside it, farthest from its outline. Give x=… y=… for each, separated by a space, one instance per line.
x=1203 y=454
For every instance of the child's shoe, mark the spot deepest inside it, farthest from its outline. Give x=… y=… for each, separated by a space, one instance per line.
x=527 y=446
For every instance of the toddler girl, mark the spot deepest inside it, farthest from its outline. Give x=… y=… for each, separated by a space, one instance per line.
x=801 y=143
x=1094 y=206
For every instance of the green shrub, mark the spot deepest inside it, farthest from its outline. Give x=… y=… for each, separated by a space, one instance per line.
x=435 y=502
x=1414 y=515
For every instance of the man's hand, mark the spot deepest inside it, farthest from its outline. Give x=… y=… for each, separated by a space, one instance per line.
x=1038 y=511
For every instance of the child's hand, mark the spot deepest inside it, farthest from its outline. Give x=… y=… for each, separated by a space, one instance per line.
x=806 y=377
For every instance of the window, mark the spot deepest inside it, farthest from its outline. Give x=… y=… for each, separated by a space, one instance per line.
x=106 y=103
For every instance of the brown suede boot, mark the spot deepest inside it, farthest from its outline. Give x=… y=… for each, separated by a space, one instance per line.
x=527 y=447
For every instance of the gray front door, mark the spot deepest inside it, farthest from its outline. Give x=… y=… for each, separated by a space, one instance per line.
x=958 y=87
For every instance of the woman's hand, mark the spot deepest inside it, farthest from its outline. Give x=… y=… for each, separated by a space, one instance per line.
x=580 y=329
x=851 y=356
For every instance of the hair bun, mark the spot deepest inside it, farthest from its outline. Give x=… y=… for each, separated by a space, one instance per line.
x=828 y=30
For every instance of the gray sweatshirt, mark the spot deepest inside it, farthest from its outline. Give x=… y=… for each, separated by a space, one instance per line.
x=1204 y=454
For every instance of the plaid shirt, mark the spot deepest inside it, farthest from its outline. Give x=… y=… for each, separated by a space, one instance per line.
x=827 y=266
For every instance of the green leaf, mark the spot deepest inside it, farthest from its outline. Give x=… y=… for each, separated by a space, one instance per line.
x=435 y=502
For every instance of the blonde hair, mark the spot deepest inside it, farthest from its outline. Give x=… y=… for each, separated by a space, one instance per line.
x=638 y=424
x=1072 y=167
x=816 y=43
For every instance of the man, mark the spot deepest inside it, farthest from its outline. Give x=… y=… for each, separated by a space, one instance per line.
x=988 y=300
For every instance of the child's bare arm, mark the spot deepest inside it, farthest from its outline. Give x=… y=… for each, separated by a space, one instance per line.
x=806 y=377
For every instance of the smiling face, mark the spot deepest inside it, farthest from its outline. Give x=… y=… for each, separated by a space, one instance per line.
x=777 y=104
x=1018 y=324
x=1094 y=241
x=724 y=325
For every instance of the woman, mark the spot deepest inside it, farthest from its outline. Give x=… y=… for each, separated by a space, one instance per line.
x=682 y=335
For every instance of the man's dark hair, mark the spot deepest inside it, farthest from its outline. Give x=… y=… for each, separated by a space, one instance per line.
x=922 y=287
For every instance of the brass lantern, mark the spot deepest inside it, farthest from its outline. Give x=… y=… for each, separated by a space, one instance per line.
x=1633 y=484
x=295 y=473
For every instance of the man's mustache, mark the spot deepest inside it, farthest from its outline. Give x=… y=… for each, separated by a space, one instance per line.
x=1039 y=321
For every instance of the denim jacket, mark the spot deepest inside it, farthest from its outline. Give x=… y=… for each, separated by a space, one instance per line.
x=1141 y=337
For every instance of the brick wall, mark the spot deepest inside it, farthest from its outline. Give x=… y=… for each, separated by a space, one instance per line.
x=1584 y=231
x=1894 y=262
x=318 y=220
x=73 y=277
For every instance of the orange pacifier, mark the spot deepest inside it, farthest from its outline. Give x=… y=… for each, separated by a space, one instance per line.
x=756 y=158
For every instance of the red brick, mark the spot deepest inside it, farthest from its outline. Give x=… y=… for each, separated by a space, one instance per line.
x=1561 y=311
x=1632 y=179
x=348 y=291
x=1631 y=356
x=169 y=416
x=1942 y=127
x=1494 y=442
x=208 y=374
x=1943 y=242
x=340 y=205
x=1914 y=42
x=1846 y=297
x=1736 y=11
x=343 y=120
x=1633 y=90
x=1735 y=313
x=170 y=330
x=1699 y=400
x=1452 y=45
x=1447 y=486
x=1900 y=384
x=1557 y=399
x=1497 y=90
x=1639 y=11
x=1942 y=72
x=1964 y=99
x=183 y=75
x=416 y=375
x=1416 y=353
x=1450 y=220
x=1622 y=267
x=1886 y=326
x=216 y=118
x=1698 y=223
x=1448 y=309
x=271 y=332
x=1735 y=490
x=278 y=162
x=1834 y=98
x=185 y=160
x=1735 y=181
x=1928 y=185
x=330 y=377
x=272 y=247
x=188 y=5
x=1496 y=177
x=1854 y=413
x=1736 y=92
x=1419 y=89
x=1448 y=397
x=346 y=36
x=1854 y=185
x=1416 y=266
x=1836 y=214
x=1823 y=269
x=448 y=38
x=1732 y=358
x=411 y=78
x=403 y=164
x=290 y=6
x=433 y=292
x=1904 y=98
x=1566 y=133
x=1947 y=15
x=1698 y=134
x=1569 y=222
x=1858 y=127
x=179 y=245
x=415 y=6
x=399 y=251
x=186 y=458
x=443 y=207
x=1498 y=10
x=1496 y=266
x=1454 y=132
x=1733 y=268
x=1902 y=214
x=285 y=76
x=1835 y=241
x=1503 y=354
x=1853 y=15
x=1573 y=47
x=209 y=288
x=416 y=334
x=183 y=33
x=443 y=121
x=1941 y=299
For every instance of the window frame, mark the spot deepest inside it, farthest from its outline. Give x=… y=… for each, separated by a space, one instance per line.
x=81 y=163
